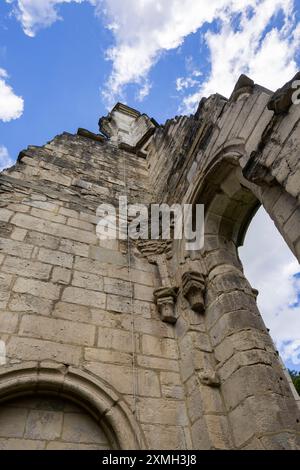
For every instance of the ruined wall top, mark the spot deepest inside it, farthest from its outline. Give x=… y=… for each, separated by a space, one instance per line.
x=128 y=128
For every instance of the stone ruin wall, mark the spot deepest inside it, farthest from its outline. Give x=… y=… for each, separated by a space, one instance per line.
x=106 y=345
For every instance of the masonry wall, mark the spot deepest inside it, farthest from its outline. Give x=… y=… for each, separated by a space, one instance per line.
x=68 y=298
x=232 y=156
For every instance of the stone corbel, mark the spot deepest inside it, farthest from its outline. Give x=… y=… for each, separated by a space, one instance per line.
x=165 y=298
x=193 y=286
x=209 y=378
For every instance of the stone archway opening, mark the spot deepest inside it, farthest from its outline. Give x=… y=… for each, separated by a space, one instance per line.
x=252 y=382
x=106 y=414
x=273 y=270
x=49 y=422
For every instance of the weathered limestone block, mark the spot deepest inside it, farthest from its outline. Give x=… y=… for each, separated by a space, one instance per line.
x=9 y=321
x=158 y=363
x=119 y=304
x=28 y=268
x=86 y=297
x=107 y=356
x=157 y=410
x=117 y=339
x=30 y=349
x=43 y=425
x=39 y=239
x=61 y=275
x=121 y=377
x=87 y=281
x=57 y=330
x=52 y=228
x=5 y=282
x=31 y=304
x=118 y=287
x=166 y=437
x=15 y=248
x=5 y=215
x=46 y=290
x=160 y=347
x=55 y=257
x=19 y=234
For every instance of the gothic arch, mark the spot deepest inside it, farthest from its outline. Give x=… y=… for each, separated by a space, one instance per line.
x=230 y=205
x=231 y=196
x=93 y=394
x=230 y=314
x=230 y=202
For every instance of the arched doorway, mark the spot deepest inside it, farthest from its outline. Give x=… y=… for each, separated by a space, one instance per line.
x=40 y=421
x=260 y=408
x=74 y=403
x=271 y=267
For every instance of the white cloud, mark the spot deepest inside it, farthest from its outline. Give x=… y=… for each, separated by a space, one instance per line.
x=11 y=105
x=183 y=83
x=270 y=267
x=291 y=352
x=5 y=160
x=144 y=91
x=36 y=14
x=144 y=29
x=268 y=57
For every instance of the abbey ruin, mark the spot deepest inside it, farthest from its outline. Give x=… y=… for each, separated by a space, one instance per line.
x=110 y=344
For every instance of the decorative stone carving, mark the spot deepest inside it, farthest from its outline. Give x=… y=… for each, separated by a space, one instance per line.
x=165 y=298
x=129 y=129
x=157 y=252
x=193 y=286
x=281 y=100
x=210 y=378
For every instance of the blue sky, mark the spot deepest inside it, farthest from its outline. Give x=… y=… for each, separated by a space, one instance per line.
x=64 y=63
x=61 y=71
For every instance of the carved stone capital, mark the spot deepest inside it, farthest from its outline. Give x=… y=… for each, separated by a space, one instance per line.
x=165 y=298
x=193 y=286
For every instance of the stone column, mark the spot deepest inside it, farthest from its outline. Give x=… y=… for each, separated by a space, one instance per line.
x=206 y=411
x=261 y=410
